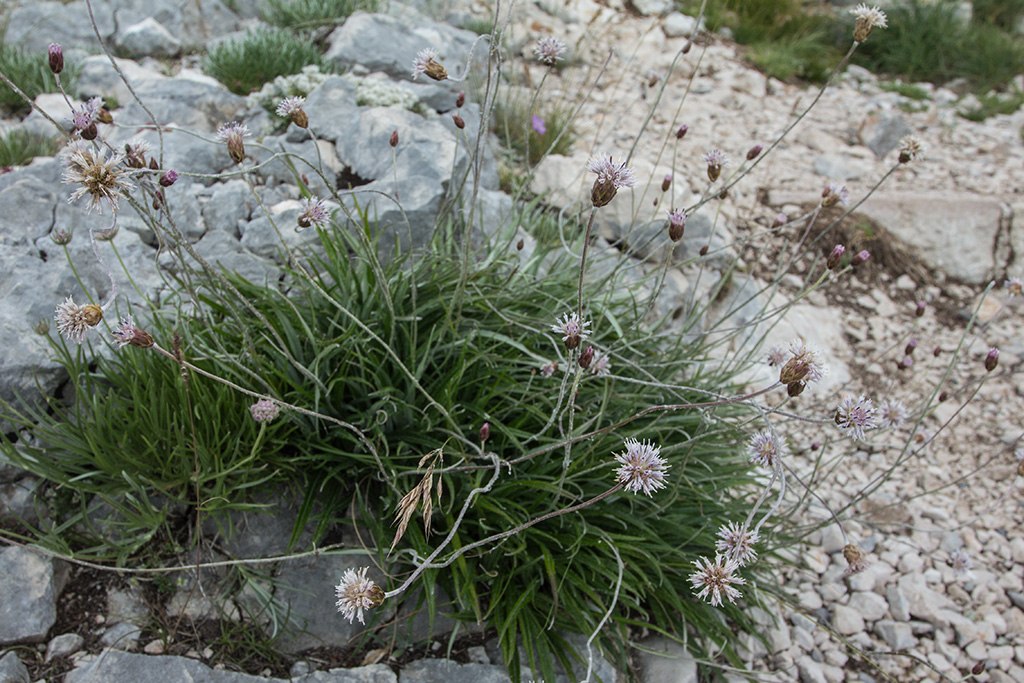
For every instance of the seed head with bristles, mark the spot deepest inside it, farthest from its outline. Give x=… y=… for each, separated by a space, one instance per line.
x=735 y=543
x=867 y=19
x=641 y=467
x=356 y=593
x=102 y=178
x=74 y=321
x=717 y=579
x=764 y=448
x=548 y=50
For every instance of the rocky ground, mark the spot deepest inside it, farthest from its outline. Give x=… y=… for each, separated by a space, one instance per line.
x=940 y=229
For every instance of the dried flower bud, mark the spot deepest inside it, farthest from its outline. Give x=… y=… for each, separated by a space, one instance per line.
x=905 y=364
x=89 y=131
x=153 y=166
x=426 y=64
x=834 y=194
x=158 y=200
x=794 y=389
x=587 y=357
x=485 y=432
x=943 y=395
x=723 y=194
x=936 y=351
x=754 y=152
x=169 y=178
x=715 y=159
x=978 y=668
x=459 y=122
x=56 y=56
x=780 y=220
x=103 y=116
x=704 y=250
x=520 y=244
x=681 y=133
x=855 y=558
x=992 y=360
x=127 y=334
x=686 y=48
x=611 y=177
x=860 y=258
x=835 y=257
x=460 y=99
x=909 y=348
x=867 y=19
x=666 y=182
x=815 y=445
x=233 y=135
x=42 y=328
x=393 y=140
x=919 y=311
x=60 y=237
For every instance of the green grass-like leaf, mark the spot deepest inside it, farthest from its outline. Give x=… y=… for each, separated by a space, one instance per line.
x=18 y=147
x=245 y=64
x=306 y=15
x=31 y=73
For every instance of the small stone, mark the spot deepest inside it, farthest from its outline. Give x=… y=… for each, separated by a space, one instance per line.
x=154 y=647
x=898 y=606
x=678 y=25
x=871 y=606
x=847 y=620
x=896 y=634
x=810 y=671
x=64 y=644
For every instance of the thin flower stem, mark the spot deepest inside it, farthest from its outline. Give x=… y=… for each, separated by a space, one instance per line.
x=583 y=263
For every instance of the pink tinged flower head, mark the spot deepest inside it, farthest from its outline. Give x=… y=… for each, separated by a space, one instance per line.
x=1015 y=285
x=127 y=334
x=766 y=449
x=292 y=108
x=356 y=593
x=960 y=562
x=910 y=149
x=538 y=125
x=716 y=160
x=833 y=194
x=426 y=64
x=892 y=413
x=611 y=178
x=549 y=369
x=548 y=50
x=313 y=213
x=867 y=19
x=55 y=56
x=737 y=544
x=777 y=356
x=715 y=580
x=676 y=224
x=233 y=134
x=856 y=416
x=74 y=321
x=641 y=467
x=102 y=178
x=572 y=329
x=264 y=410
x=601 y=364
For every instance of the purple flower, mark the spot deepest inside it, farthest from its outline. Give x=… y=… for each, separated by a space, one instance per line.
x=776 y=356
x=55 y=56
x=126 y=333
x=676 y=224
x=765 y=449
x=264 y=410
x=892 y=413
x=611 y=177
x=292 y=108
x=426 y=63
x=548 y=50
x=960 y=562
x=716 y=579
x=716 y=160
x=641 y=467
x=233 y=135
x=600 y=365
x=549 y=369
x=538 y=125
x=313 y=213
x=833 y=194
x=804 y=366
x=856 y=416
x=572 y=329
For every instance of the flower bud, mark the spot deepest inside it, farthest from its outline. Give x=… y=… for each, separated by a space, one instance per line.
x=753 y=152
x=485 y=432
x=666 y=182
x=676 y=224
x=56 y=56
x=60 y=237
x=89 y=132
x=299 y=117
x=835 y=257
x=587 y=357
x=681 y=133
x=909 y=348
x=92 y=314
x=687 y=47
x=153 y=166
x=459 y=122
x=905 y=364
x=919 y=311
x=460 y=99
x=520 y=244
x=992 y=360
x=723 y=194
x=815 y=445
x=860 y=258
x=780 y=220
x=158 y=200
x=393 y=140
x=936 y=351
x=106 y=235
x=42 y=328
x=169 y=178
x=978 y=668
x=704 y=250
x=795 y=389
x=103 y=116
x=943 y=395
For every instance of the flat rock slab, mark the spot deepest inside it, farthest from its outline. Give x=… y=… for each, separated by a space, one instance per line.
x=28 y=601
x=113 y=666
x=431 y=670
